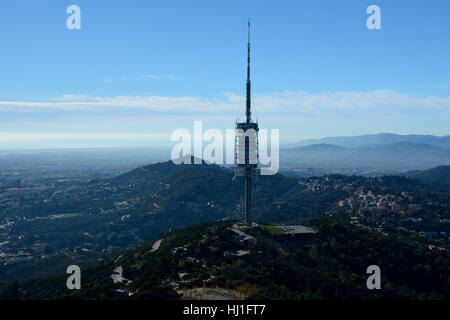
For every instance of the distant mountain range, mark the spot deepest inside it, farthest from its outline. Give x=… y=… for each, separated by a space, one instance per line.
x=377 y=140
x=368 y=154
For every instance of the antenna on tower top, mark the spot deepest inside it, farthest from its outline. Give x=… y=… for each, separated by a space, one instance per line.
x=249 y=30
x=248 y=104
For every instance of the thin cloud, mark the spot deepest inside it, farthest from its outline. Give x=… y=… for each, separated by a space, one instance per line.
x=161 y=76
x=153 y=103
x=286 y=102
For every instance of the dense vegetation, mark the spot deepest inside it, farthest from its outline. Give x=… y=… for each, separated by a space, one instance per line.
x=107 y=216
x=440 y=175
x=331 y=265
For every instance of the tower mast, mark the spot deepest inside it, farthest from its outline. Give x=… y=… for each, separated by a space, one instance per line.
x=247 y=144
x=248 y=112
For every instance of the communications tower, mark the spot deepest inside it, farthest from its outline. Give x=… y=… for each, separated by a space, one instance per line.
x=246 y=145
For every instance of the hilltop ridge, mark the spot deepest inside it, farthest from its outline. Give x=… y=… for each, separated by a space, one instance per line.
x=222 y=260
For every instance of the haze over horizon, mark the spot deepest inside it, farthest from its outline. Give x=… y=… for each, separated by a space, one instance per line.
x=139 y=141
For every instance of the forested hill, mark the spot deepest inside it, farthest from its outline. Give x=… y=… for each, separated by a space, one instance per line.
x=80 y=222
x=212 y=259
x=439 y=174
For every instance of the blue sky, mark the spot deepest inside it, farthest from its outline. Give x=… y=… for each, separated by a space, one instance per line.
x=137 y=70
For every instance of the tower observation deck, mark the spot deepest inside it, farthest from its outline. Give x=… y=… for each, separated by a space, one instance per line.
x=246 y=144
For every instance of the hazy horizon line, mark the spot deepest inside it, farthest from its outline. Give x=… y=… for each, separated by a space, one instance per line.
x=165 y=145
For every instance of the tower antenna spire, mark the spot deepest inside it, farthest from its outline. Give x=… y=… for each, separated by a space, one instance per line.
x=248 y=113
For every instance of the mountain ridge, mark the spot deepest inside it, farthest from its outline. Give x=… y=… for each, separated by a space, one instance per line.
x=376 y=139
x=366 y=156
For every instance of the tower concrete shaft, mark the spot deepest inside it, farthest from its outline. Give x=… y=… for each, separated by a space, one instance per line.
x=248 y=200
